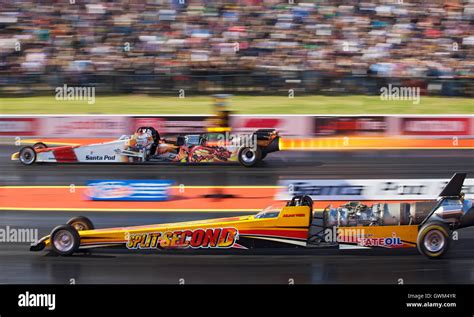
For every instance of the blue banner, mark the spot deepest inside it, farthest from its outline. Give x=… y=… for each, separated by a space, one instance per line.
x=131 y=190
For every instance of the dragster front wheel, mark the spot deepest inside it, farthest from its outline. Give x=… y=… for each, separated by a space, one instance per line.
x=65 y=240
x=27 y=155
x=433 y=240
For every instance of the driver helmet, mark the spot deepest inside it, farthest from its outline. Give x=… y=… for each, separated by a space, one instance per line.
x=143 y=139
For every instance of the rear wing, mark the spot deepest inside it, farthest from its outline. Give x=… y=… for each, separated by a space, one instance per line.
x=454 y=186
x=451 y=190
x=265 y=134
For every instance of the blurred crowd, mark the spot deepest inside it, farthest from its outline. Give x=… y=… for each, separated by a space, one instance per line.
x=398 y=38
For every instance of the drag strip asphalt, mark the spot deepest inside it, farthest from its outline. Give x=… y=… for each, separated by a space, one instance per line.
x=280 y=165
x=19 y=265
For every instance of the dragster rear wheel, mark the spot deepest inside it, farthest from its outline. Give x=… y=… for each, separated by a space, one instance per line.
x=65 y=240
x=249 y=157
x=433 y=240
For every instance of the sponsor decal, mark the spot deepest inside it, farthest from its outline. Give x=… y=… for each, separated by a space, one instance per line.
x=293 y=215
x=131 y=190
x=389 y=242
x=100 y=157
x=212 y=238
x=359 y=237
x=84 y=126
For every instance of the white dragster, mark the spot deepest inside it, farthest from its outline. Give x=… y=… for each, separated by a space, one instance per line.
x=146 y=145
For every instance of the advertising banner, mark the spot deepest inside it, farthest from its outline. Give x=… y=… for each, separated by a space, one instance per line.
x=329 y=126
x=365 y=189
x=84 y=126
x=18 y=126
x=286 y=125
x=436 y=126
x=128 y=190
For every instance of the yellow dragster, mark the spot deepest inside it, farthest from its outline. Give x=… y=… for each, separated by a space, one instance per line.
x=295 y=225
x=271 y=227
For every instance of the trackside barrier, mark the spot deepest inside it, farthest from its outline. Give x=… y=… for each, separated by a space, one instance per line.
x=299 y=126
x=365 y=189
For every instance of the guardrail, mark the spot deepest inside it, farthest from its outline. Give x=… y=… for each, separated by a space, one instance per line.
x=112 y=126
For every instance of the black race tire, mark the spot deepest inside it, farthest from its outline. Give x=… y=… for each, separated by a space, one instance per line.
x=27 y=155
x=81 y=223
x=249 y=157
x=40 y=145
x=65 y=240
x=306 y=201
x=433 y=240
x=264 y=155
